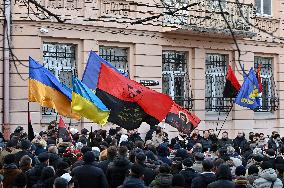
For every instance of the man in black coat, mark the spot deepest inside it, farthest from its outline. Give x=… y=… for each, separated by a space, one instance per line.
x=188 y=173
x=206 y=177
x=35 y=173
x=118 y=169
x=87 y=175
x=25 y=147
x=111 y=154
x=240 y=141
x=225 y=141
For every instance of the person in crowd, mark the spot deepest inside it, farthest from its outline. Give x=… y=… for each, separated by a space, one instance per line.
x=20 y=181
x=9 y=170
x=225 y=141
x=40 y=145
x=188 y=172
x=25 y=163
x=207 y=176
x=197 y=165
x=135 y=178
x=206 y=141
x=157 y=137
x=268 y=177
x=213 y=136
x=280 y=171
x=111 y=154
x=240 y=180
x=46 y=178
x=119 y=168
x=164 y=178
x=224 y=178
x=25 y=150
x=60 y=183
x=253 y=171
x=53 y=155
x=9 y=149
x=34 y=174
x=193 y=140
x=239 y=142
x=178 y=181
x=275 y=141
x=87 y=175
x=149 y=174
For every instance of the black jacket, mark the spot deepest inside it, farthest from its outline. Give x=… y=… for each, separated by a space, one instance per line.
x=34 y=174
x=117 y=171
x=222 y=184
x=240 y=142
x=203 y=180
x=131 y=182
x=89 y=176
x=20 y=154
x=206 y=143
x=104 y=164
x=225 y=142
x=189 y=174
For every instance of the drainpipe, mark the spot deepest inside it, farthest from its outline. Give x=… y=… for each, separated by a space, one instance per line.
x=6 y=70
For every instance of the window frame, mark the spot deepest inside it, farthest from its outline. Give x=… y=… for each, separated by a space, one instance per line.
x=262 y=10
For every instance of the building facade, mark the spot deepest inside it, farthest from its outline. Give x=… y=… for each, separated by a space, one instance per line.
x=184 y=45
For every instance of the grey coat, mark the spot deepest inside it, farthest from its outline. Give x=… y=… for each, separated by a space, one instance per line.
x=266 y=178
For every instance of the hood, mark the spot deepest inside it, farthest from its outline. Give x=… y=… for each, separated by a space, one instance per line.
x=164 y=179
x=133 y=182
x=269 y=174
x=120 y=161
x=208 y=177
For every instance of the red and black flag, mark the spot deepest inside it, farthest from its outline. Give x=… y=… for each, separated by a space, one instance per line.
x=31 y=134
x=232 y=86
x=182 y=119
x=259 y=78
x=130 y=102
x=62 y=130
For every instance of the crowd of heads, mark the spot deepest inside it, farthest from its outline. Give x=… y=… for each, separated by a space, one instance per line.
x=117 y=159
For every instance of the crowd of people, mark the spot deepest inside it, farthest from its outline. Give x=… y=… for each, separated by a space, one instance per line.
x=102 y=159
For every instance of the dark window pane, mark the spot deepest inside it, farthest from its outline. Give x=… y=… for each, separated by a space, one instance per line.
x=258 y=6
x=267 y=7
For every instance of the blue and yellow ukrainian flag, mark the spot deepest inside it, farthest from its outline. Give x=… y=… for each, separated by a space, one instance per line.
x=87 y=104
x=48 y=91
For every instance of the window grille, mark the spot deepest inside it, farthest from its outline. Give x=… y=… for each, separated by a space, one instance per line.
x=118 y=57
x=175 y=82
x=269 y=101
x=215 y=73
x=60 y=59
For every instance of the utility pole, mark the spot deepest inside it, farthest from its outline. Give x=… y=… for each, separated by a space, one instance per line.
x=6 y=69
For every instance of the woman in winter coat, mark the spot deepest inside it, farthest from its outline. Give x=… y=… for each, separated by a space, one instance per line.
x=224 y=178
x=268 y=177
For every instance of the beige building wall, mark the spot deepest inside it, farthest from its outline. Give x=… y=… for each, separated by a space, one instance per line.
x=93 y=23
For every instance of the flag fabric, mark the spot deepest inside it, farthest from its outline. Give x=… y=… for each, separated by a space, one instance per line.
x=62 y=130
x=87 y=104
x=130 y=102
x=31 y=134
x=48 y=91
x=182 y=119
x=247 y=96
x=232 y=85
x=259 y=78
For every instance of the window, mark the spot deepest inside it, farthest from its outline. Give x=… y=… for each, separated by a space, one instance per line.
x=263 y=7
x=118 y=57
x=269 y=101
x=175 y=80
x=60 y=59
x=215 y=73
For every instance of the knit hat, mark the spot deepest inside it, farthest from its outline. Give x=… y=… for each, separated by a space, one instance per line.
x=89 y=157
x=187 y=162
x=240 y=171
x=42 y=157
x=25 y=144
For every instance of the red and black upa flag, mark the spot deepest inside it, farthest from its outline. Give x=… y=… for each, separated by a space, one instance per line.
x=31 y=134
x=258 y=71
x=232 y=85
x=62 y=130
x=130 y=103
x=182 y=119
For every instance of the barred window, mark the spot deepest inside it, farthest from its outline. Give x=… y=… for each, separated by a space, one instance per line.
x=269 y=101
x=60 y=59
x=263 y=7
x=117 y=56
x=175 y=80
x=215 y=73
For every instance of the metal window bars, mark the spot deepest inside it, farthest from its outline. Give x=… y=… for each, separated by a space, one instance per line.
x=175 y=81
x=117 y=56
x=269 y=99
x=60 y=59
x=215 y=75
